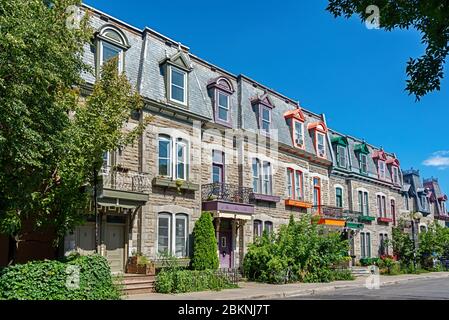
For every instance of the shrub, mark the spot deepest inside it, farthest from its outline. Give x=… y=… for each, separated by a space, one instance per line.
x=47 y=280
x=299 y=251
x=182 y=281
x=370 y=261
x=204 y=244
x=341 y=275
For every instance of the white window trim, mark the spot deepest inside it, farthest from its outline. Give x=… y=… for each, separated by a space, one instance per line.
x=256 y=162
x=228 y=109
x=383 y=172
x=262 y=108
x=342 y=195
x=121 y=54
x=173 y=168
x=318 y=145
x=295 y=142
x=267 y=177
x=170 y=71
x=299 y=183
x=172 y=232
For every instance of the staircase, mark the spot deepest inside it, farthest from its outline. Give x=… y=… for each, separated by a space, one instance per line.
x=138 y=283
x=360 y=271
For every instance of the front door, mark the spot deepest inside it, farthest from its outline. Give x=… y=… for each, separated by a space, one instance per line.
x=115 y=246
x=225 y=249
x=86 y=239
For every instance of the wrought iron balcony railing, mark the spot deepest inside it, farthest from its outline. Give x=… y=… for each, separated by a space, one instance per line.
x=337 y=213
x=124 y=179
x=225 y=192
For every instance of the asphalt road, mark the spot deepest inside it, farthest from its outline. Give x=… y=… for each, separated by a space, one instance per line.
x=430 y=289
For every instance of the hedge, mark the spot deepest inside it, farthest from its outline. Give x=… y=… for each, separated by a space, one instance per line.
x=51 y=280
x=204 y=244
x=190 y=281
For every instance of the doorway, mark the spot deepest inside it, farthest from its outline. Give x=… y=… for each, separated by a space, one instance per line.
x=115 y=247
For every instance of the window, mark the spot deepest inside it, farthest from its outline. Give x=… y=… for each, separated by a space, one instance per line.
x=363 y=163
x=163 y=242
x=321 y=147
x=424 y=202
x=339 y=197
x=290 y=180
x=109 y=51
x=266 y=178
x=106 y=160
x=256 y=175
x=257 y=228
x=173 y=238
x=223 y=106
x=165 y=162
x=363 y=203
x=299 y=134
x=395 y=174
x=218 y=166
x=381 y=206
x=406 y=205
x=265 y=120
x=365 y=245
x=298 y=185
x=268 y=226
x=381 y=169
x=177 y=85
x=181 y=162
x=383 y=244
x=316 y=193
x=393 y=210
x=341 y=156
x=173 y=158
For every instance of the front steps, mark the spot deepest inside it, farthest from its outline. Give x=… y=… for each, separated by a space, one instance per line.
x=138 y=284
x=360 y=271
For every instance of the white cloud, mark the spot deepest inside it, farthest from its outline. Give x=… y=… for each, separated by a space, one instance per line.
x=439 y=159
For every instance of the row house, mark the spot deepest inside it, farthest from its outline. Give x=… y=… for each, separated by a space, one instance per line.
x=366 y=186
x=438 y=201
x=228 y=145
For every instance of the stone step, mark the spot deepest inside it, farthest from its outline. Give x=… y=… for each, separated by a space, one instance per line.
x=138 y=290
x=133 y=280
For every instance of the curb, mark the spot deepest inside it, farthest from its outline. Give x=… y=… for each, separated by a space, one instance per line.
x=311 y=292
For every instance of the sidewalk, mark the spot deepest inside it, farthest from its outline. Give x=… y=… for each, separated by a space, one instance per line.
x=252 y=290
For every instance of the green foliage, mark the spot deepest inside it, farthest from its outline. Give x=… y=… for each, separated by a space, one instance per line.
x=204 y=244
x=300 y=251
x=342 y=275
x=181 y=281
x=47 y=280
x=430 y=18
x=433 y=245
x=52 y=141
x=369 y=261
x=403 y=247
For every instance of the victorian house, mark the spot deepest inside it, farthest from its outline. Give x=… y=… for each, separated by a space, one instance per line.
x=438 y=201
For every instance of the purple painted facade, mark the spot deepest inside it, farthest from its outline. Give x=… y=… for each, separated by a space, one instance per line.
x=228 y=207
x=265 y=197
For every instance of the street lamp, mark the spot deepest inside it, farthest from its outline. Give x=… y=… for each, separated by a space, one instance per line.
x=415 y=217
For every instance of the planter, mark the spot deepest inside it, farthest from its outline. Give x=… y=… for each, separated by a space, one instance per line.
x=134 y=268
x=175 y=184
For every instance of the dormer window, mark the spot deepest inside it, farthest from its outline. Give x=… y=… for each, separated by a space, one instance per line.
x=178 y=81
x=381 y=158
x=221 y=90
x=382 y=174
x=296 y=119
x=393 y=164
x=341 y=144
x=362 y=151
x=320 y=131
x=111 y=43
x=263 y=107
x=176 y=70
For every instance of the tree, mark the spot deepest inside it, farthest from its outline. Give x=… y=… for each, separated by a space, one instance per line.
x=51 y=141
x=430 y=18
x=403 y=246
x=204 y=244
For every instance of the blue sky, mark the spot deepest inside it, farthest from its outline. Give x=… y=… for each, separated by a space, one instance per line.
x=354 y=75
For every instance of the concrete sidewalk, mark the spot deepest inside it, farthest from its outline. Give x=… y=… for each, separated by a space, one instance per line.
x=252 y=290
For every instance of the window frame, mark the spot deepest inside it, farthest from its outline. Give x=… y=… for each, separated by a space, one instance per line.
x=102 y=43
x=295 y=142
x=259 y=232
x=299 y=195
x=184 y=73
x=220 y=165
x=267 y=178
x=256 y=177
x=169 y=155
x=183 y=143
x=363 y=164
x=185 y=217
x=339 y=197
x=218 y=107
x=323 y=135
x=290 y=183
x=395 y=175
x=169 y=243
x=341 y=150
x=382 y=170
x=261 y=119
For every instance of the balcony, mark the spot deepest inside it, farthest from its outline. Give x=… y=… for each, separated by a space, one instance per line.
x=384 y=220
x=121 y=187
x=224 y=197
x=298 y=203
x=330 y=216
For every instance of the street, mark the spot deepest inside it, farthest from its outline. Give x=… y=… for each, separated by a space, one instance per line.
x=431 y=289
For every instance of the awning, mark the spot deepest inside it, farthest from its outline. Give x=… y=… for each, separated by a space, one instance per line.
x=236 y=216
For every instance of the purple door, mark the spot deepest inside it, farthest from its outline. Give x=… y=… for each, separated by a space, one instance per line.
x=225 y=249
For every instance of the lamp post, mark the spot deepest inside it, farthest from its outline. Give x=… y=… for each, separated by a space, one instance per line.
x=415 y=217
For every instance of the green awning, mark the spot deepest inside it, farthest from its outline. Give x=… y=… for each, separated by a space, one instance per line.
x=354 y=225
x=342 y=141
x=362 y=148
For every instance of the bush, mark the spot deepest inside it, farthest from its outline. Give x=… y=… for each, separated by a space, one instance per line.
x=204 y=244
x=300 y=251
x=341 y=275
x=370 y=261
x=182 y=281
x=47 y=280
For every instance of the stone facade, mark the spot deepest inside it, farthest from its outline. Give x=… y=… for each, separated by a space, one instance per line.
x=148 y=60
